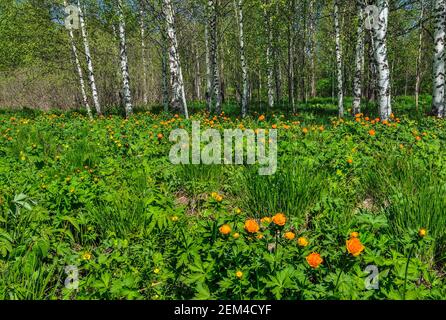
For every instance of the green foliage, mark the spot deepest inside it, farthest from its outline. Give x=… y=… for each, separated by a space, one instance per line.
x=103 y=197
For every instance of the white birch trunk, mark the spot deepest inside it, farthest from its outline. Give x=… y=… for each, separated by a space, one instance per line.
x=438 y=99
x=79 y=70
x=94 y=90
x=312 y=47
x=239 y=13
x=143 y=55
x=208 y=69
x=176 y=75
x=214 y=55
x=420 y=46
x=359 y=61
x=339 y=60
x=382 y=62
x=269 y=57
x=124 y=63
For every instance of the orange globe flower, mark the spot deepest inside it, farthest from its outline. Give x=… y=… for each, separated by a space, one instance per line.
x=261 y=118
x=289 y=235
x=314 y=260
x=372 y=132
x=354 y=235
x=279 y=219
x=251 y=226
x=354 y=247
x=225 y=229
x=302 y=241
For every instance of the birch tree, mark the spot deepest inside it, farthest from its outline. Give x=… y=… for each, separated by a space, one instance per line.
x=381 y=59
x=359 y=60
x=176 y=75
x=438 y=99
x=312 y=38
x=208 y=68
x=418 y=67
x=124 y=63
x=94 y=90
x=78 y=68
x=213 y=53
x=143 y=55
x=269 y=54
x=339 y=59
x=239 y=14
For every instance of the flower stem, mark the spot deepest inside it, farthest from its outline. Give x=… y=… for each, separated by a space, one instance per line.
x=407 y=271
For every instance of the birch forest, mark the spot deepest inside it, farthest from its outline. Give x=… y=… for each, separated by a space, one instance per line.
x=260 y=55
x=222 y=150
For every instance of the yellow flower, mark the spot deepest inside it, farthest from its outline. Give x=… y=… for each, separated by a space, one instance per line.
x=354 y=235
x=239 y=274
x=422 y=232
x=238 y=211
x=259 y=236
x=174 y=218
x=289 y=235
x=236 y=235
x=86 y=256
x=265 y=220
x=156 y=271
x=302 y=241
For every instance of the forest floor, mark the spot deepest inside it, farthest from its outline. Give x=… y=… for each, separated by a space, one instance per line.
x=96 y=210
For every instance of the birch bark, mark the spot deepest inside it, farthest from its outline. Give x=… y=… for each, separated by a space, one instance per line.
x=339 y=60
x=438 y=99
x=176 y=75
x=239 y=13
x=359 y=60
x=382 y=62
x=124 y=63
x=94 y=89
x=79 y=70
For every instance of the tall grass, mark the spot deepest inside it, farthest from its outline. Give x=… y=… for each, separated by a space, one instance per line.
x=292 y=190
x=413 y=197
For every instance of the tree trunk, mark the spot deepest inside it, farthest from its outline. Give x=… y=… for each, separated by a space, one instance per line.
x=291 y=84
x=208 y=69
x=438 y=99
x=339 y=60
x=312 y=48
x=382 y=62
x=94 y=90
x=124 y=63
x=197 y=77
x=143 y=55
x=420 y=47
x=269 y=57
x=79 y=70
x=176 y=75
x=165 y=71
x=239 y=14
x=359 y=61
x=212 y=7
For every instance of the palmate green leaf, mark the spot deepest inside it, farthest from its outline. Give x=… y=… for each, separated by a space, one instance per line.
x=202 y=292
x=281 y=281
